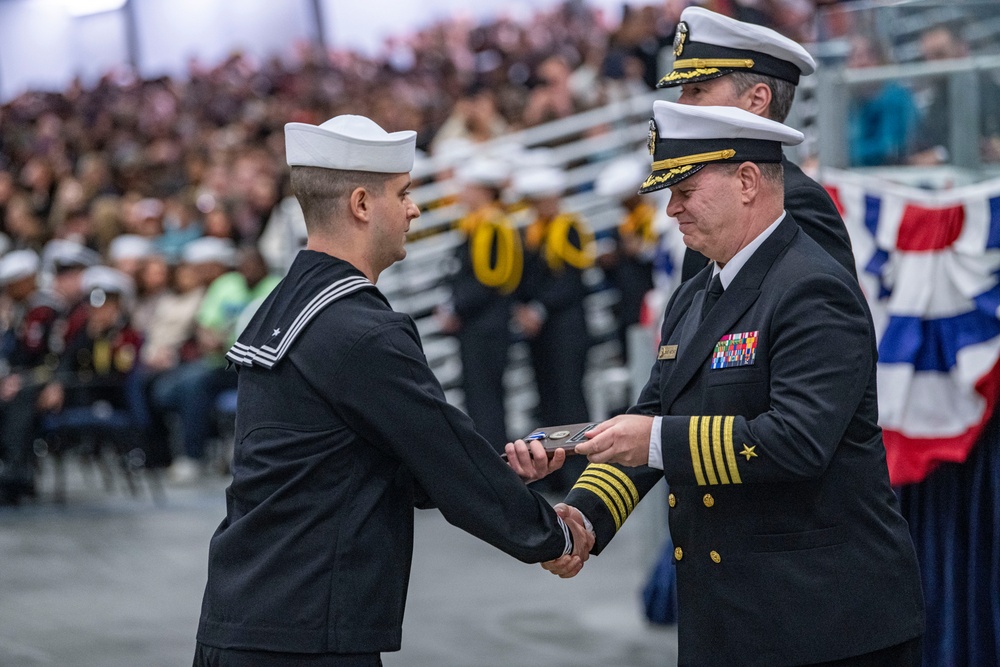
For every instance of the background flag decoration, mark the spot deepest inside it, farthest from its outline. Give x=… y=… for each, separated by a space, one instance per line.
x=929 y=264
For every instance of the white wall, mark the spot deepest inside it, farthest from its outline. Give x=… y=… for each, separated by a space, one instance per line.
x=42 y=46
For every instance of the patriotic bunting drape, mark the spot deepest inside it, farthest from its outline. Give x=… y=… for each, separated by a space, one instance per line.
x=929 y=264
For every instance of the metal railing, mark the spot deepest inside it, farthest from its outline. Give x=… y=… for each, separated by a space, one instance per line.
x=582 y=145
x=836 y=85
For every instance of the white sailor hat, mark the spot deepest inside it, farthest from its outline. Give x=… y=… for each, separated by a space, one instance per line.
x=709 y=45
x=622 y=177
x=209 y=249
x=683 y=139
x=539 y=183
x=100 y=281
x=351 y=143
x=64 y=254
x=18 y=264
x=130 y=246
x=484 y=171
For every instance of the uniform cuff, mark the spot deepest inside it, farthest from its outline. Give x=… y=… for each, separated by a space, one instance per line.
x=655 y=444
x=567 y=534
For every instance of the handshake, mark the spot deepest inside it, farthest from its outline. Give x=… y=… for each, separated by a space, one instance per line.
x=531 y=463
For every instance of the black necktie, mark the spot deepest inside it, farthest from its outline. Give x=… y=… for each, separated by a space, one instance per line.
x=715 y=290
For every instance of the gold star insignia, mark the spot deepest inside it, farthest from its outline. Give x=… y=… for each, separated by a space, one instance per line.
x=748 y=451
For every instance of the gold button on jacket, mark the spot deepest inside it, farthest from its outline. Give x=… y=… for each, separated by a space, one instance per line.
x=672 y=500
x=708 y=500
x=678 y=553
x=716 y=558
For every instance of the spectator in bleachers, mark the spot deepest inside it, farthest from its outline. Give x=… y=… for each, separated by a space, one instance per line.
x=490 y=263
x=99 y=358
x=944 y=42
x=475 y=118
x=882 y=119
x=191 y=388
x=558 y=248
x=27 y=361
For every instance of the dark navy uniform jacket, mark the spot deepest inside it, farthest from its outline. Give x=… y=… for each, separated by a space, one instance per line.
x=790 y=547
x=338 y=435
x=812 y=207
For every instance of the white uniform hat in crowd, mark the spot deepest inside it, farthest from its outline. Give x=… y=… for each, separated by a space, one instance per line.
x=63 y=254
x=709 y=45
x=18 y=264
x=101 y=281
x=485 y=171
x=539 y=183
x=622 y=177
x=130 y=246
x=352 y=143
x=209 y=250
x=684 y=139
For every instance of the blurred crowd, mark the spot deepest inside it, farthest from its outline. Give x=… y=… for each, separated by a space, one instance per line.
x=139 y=219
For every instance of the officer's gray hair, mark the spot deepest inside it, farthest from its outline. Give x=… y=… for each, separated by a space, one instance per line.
x=782 y=92
x=322 y=193
x=772 y=172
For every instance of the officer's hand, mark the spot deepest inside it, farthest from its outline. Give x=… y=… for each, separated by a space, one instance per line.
x=532 y=463
x=583 y=541
x=623 y=439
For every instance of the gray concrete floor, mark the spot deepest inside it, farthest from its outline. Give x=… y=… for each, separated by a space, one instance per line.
x=110 y=580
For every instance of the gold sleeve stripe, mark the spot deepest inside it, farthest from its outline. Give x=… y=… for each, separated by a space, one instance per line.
x=734 y=472
x=695 y=456
x=629 y=486
x=609 y=484
x=599 y=492
x=717 y=449
x=702 y=63
x=706 y=451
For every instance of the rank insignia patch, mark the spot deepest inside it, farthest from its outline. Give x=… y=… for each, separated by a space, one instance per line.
x=737 y=349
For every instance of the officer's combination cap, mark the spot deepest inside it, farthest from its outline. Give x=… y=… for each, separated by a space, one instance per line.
x=684 y=139
x=101 y=281
x=209 y=250
x=709 y=45
x=619 y=178
x=352 y=143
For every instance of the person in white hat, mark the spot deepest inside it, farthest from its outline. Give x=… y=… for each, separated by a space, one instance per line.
x=341 y=427
x=87 y=393
x=26 y=365
x=724 y=62
x=626 y=255
x=761 y=413
x=558 y=248
x=489 y=263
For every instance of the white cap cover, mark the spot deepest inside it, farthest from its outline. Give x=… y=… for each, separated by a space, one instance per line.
x=209 y=249
x=709 y=45
x=130 y=246
x=683 y=139
x=540 y=182
x=352 y=143
x=18 y=264
x=622 y=177
x=108 y=280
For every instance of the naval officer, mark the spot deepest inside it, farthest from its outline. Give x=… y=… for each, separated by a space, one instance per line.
x=761 y=413
x=720 y=61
